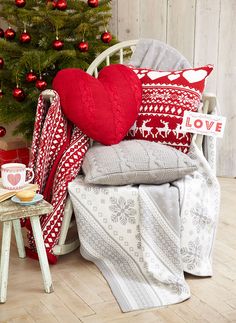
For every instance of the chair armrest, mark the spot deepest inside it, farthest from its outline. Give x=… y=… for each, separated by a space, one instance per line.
x=208 y=107
x=48 y=95
x=211 y=99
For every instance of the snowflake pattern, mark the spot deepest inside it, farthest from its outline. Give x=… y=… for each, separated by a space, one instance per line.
x=156 y=95
x=200 y=221
x=181 y=98
x=122 y=210
x=176 y=286
x=191 y=255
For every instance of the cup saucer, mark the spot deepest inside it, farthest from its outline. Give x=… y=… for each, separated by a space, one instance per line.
x=37 y=198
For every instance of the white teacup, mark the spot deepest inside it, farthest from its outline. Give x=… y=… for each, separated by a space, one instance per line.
x=14 y=176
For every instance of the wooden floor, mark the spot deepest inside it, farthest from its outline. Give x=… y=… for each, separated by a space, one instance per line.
x=82 y=295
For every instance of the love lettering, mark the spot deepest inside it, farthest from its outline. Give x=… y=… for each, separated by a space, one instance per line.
x=203 y=124
x=200 y=123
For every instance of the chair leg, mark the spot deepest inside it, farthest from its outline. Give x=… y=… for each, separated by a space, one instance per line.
x=19 y=238
x=63 y=248
x=43 y=260
x=4 y=265
x=66 y=221
x=66 y=248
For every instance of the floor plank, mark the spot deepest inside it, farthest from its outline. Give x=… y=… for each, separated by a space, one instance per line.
x=40 y=313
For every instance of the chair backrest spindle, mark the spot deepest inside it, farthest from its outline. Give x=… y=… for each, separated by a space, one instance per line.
x=109 y=52
x=108 y=60
x=121 y=56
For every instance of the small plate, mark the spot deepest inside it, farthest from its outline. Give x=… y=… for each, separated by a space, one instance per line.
x=36 y=199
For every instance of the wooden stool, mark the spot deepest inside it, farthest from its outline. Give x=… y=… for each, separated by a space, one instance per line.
x=11 y=212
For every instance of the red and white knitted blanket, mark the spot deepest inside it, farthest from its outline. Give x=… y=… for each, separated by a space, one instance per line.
x=57 y=152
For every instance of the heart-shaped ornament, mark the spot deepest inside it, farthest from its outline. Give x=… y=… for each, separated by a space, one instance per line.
x=104 y=108
x=14 y=179
x=173 y=77
x=153 y=75
x=193 y=76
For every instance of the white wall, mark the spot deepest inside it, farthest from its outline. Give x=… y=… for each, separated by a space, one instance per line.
x=202 y=30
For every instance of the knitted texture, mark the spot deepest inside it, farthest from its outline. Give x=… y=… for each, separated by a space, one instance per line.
x=152 y=53
x=104 y=108
x=135 y=162
x=57 y=152
x=166 y=96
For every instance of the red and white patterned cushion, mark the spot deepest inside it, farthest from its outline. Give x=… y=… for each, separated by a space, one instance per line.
x=166 y=95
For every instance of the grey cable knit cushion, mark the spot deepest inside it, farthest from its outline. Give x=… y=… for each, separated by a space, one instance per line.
x=135 y=162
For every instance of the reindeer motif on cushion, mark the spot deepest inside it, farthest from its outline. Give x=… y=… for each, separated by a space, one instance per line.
x=144 y=128
x=164 y=129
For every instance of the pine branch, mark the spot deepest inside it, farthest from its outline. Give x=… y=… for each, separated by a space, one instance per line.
x=44 y=24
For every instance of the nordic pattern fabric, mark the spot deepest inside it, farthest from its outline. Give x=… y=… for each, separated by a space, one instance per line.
x=200 y=202
x=166 y=96
x=135 y=162
x=134 y=240
x=143 y=237
x=57 y=152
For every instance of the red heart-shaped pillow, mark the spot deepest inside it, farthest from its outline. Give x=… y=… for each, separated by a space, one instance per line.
x=104 y=108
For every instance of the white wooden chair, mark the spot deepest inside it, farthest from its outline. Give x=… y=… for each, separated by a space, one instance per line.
x=209 y=103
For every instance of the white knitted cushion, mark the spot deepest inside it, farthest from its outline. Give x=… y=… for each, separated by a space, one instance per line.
x=135 y=162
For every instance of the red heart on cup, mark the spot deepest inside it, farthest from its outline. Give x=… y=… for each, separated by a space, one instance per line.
x=104 y=108
x=13 y=179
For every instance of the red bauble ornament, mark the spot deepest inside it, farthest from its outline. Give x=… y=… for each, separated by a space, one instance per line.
x=31 y=77
x=83 y=46
x=106 y=37
x=57 y=44
x=25 y=38
x=53 y=3
x=1 y=94
x=18 y=94
x=20 y=3
x=10 y=33
x=1 y=62
x=93 y=3
x=61 y=5
x=2 y=131
x=41 y=84
x=1 y=33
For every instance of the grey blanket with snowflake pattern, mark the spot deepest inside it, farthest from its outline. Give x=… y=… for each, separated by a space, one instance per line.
x=143 y=238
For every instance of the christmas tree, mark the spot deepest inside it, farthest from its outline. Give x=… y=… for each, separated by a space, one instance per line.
x=43 y=37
